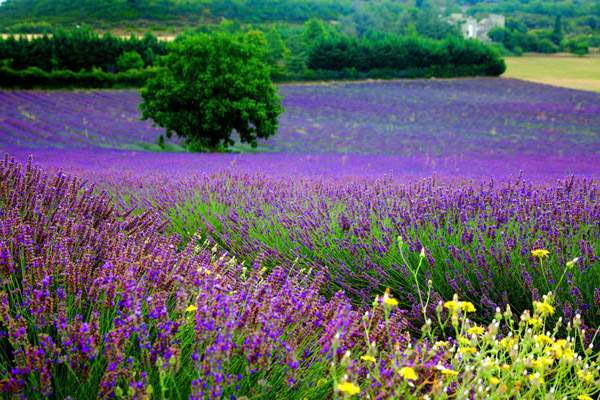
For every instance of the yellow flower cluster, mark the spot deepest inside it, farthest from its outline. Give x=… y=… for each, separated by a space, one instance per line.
x=502 y=360
x=543 y=308
x=455 y=306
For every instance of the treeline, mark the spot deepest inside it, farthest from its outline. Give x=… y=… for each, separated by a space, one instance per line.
x=517 y=39
x=543 y=26
x=80 y=49
x=409 y=55
x=314 y=51
x=103 y=13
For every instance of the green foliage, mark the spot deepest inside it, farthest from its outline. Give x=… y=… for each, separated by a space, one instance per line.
x=78 y=49
x=130 y=60
x=101 y=13
x=211 y=85
x=517 y=41
x=452 y=56
x=34 y=77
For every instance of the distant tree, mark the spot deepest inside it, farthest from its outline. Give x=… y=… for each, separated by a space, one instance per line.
x=557 y=32
x=209 y=86
x=277 y=52
x=130 y=60
x=314 y=32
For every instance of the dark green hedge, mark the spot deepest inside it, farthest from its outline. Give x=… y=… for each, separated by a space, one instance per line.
x=36 y=78
x=449 y=57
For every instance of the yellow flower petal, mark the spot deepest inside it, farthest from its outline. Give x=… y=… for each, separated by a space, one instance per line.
x=476 y=330
x=540 y=253
x=191 y=308
x=408 y=373
x=348 y=388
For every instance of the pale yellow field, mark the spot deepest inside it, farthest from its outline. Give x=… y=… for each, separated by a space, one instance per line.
x=567 y=71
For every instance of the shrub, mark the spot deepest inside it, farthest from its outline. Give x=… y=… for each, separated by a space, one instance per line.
x=130 y=60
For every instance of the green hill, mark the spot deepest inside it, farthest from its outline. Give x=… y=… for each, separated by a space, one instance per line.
x=531 y=25
x=580 y=15
x=115 y=13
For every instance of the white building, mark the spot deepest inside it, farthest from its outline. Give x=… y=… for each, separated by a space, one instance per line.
x=477 y=29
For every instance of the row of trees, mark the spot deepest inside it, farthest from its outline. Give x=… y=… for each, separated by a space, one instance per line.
x=446 y=57
x=292 y=52
x=80 y=49
x=517 y=39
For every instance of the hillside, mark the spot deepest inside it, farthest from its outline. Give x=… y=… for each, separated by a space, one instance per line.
x=579 y=17
x=120 y=13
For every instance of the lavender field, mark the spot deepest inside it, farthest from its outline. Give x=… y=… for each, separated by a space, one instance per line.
x=409 y=239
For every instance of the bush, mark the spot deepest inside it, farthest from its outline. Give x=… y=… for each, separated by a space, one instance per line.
x=130 y=60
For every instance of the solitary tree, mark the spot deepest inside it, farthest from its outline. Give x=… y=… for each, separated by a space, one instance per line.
x=209 y=86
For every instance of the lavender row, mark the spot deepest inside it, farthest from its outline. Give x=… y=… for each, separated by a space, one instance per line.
x=488 y=118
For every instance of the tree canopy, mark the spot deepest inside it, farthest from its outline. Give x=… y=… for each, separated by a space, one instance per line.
x=210 y=86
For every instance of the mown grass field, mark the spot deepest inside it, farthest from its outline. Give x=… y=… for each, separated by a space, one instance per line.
x=574 y=72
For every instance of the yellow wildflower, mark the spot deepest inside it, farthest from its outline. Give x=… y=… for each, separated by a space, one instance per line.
x=562 y=349
x=543 y=307
x=508 y=342
x=540 y=253
x=584 y=397
x=368 y=358
x=467 y=350
x=494 y=380
x=537 y=364
x=453 y=305
x=408 y=373
x=390 y=301
x=505 y=367
x=543 y=339
x=535 y=322
x=476 y=330
x=191 y=308
x=348 y=388
x=585 y=376
x=467 y=306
